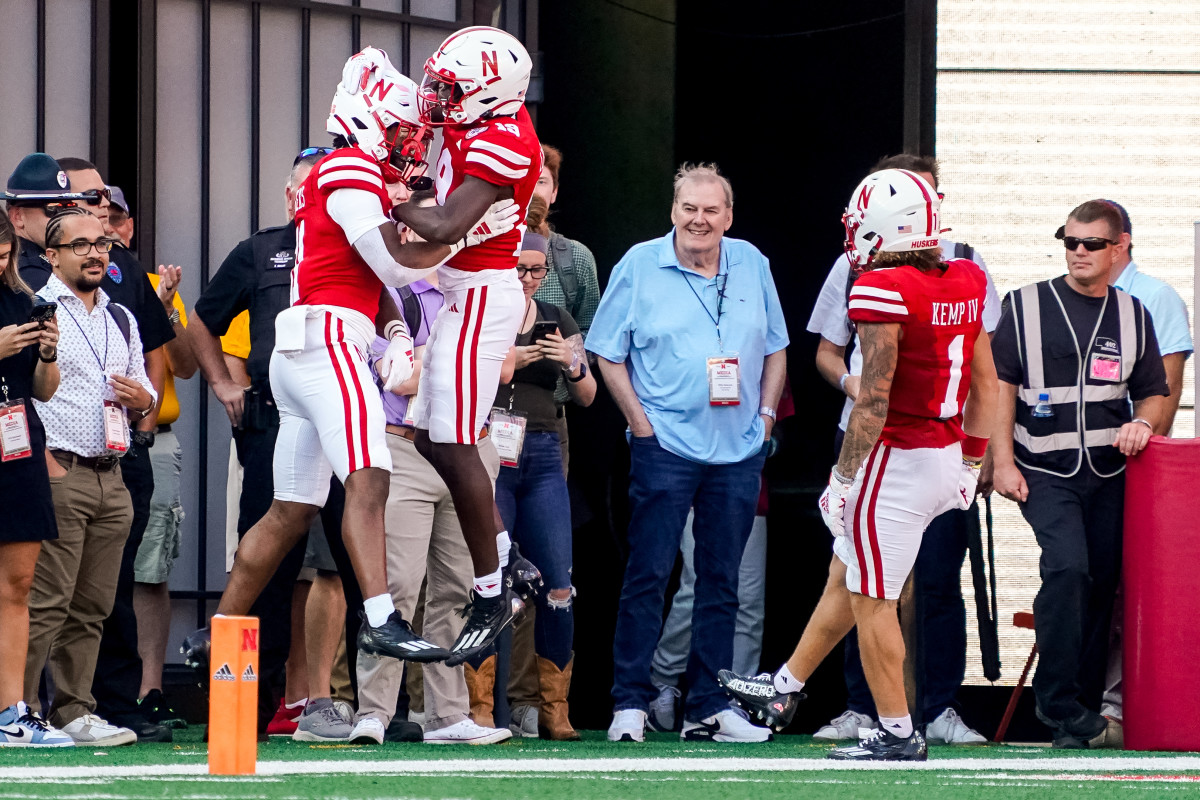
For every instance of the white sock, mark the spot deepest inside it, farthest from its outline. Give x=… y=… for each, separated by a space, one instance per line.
x=378 y=609
x=489 y=585
x=503 y=545
x=900 y=726
x=298 y=704
x=786 y=682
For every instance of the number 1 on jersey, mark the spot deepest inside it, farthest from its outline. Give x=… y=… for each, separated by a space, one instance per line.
x=950 y=406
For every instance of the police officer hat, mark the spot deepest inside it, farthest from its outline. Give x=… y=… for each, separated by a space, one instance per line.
x=37 y=178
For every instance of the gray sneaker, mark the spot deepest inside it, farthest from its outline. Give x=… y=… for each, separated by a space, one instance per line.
x=661 y=716
x=322 y=722
x=524 y=722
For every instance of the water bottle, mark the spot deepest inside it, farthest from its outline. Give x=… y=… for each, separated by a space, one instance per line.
x=1043 y=409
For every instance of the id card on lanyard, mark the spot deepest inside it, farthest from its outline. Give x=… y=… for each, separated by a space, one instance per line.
x=507 y=429
x=116 y=432
x=723 y=370
x=14 y=430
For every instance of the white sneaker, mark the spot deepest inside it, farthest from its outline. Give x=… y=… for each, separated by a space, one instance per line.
x=523 y=722
x=20 y=727
x=91 y=729
x=628 y=725
x=662 y=708
x=730 y=725
x=847 y=727
x=367 y=730
x=949 y=728
x=345 y=709
x=467 y=732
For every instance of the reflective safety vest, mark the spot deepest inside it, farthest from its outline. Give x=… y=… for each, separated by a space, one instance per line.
x=1085 y=380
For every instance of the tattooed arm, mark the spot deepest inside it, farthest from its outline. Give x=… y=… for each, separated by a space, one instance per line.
x=880 y=344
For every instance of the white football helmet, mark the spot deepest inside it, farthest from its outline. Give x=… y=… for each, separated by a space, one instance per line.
x=892 y=211
x=375 y=109
x=477 y=73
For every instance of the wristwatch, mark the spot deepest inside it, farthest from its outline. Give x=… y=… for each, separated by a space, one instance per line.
x=767 y=411
x=174 y=316
x=142 y=438
x=582 y=374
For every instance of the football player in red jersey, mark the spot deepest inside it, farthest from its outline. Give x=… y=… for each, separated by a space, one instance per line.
x=474 y=89
x=331 y=418
x=912 y=450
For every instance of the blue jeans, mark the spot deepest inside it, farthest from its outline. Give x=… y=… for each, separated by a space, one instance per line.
x=662 y=487
x=671 y=655
x=937 y=584
x=534 y=506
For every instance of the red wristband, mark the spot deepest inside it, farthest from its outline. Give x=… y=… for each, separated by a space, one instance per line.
x=974 y=446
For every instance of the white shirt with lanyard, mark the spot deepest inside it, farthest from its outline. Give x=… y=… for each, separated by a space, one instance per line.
x=84 y=416
x=723 y=368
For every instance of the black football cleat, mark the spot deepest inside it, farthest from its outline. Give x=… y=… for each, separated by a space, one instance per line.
x=884 y=745
x=759 y=698
x=521 y=575
x=195 y=650
x=395 y=638
x=486 y=618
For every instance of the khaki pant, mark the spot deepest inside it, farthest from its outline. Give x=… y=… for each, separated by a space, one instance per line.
x=74 y=586
x=423 y=539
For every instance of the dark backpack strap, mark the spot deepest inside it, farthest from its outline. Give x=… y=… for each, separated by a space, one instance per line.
x=964 y=250
x=121 y=319
x=564 y=268
x=410 y=307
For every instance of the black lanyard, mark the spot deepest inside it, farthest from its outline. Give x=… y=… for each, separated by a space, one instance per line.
x=103 y=364
x=722 y=281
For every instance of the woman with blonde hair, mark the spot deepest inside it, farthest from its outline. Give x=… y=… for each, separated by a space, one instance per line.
x=28 y=351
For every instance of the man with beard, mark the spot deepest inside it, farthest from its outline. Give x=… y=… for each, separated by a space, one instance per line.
x=104 y=382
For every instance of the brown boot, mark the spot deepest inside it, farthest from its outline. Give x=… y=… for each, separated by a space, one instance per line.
x=555 y=685
x=481 y=684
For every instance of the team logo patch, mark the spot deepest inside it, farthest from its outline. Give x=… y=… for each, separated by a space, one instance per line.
x=114 y=272
x=282 y=260
x=248 y=674
x=62 y=179
x=919 y=243
x=223 y=673
x=471 y=134
x=1109 y=345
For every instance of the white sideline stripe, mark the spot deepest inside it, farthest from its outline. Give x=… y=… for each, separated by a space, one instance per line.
x=1159 y=766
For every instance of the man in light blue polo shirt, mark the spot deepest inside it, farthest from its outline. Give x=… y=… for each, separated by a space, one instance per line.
x=691 y=341
x=1167 y=310
x=1174 y=332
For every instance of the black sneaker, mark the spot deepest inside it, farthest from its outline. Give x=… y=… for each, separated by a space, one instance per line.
x=195 y=650
x=154 y=707
x=758 y=697
x=396 y=639
x=401 y=730
x=146 y=730
x=884 y=745
x=486 y=618
x=1077 y=732
x=521 y=575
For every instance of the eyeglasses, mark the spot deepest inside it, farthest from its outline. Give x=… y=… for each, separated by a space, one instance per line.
x=81 y=247
x=93 y=196
x=309 y=152
x=1091 y=244
x=533 y=272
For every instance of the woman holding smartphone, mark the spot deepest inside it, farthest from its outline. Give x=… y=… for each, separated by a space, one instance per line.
x=28 y=351
x=531 y=492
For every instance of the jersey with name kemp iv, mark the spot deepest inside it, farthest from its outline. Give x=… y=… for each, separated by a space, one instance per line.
x=939 y=317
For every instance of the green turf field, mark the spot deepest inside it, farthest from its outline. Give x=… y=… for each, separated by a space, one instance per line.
x=792 y=767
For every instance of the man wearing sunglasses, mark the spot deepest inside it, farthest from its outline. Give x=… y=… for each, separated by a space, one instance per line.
x=1082 y=387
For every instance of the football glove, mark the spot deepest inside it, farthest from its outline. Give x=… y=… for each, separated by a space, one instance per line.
x=396 y=364
x=499 y=219
x=968 y=482
x=833 y=502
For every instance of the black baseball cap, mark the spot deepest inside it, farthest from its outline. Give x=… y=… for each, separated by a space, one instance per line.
x=38 y=178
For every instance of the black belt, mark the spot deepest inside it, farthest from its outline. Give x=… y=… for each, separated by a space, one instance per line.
x=97 y=463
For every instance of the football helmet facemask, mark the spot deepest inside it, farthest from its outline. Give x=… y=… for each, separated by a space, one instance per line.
x=375 y=109
x=477 y=73
x=892 y=210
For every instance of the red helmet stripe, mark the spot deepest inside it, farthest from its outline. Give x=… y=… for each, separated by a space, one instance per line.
x=928 y=202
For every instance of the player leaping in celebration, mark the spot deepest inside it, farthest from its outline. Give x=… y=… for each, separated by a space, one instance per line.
x=912 y=450
x=331 y=416
x=474 y=89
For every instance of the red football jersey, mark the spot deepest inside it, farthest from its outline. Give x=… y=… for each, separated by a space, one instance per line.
x=940 y=317
x=329 y=271
x=504 y=151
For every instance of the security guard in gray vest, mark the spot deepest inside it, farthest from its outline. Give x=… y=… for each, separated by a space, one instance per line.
x=1082 y=386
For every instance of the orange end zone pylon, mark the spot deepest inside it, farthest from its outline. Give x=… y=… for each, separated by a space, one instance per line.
x=233 y=696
